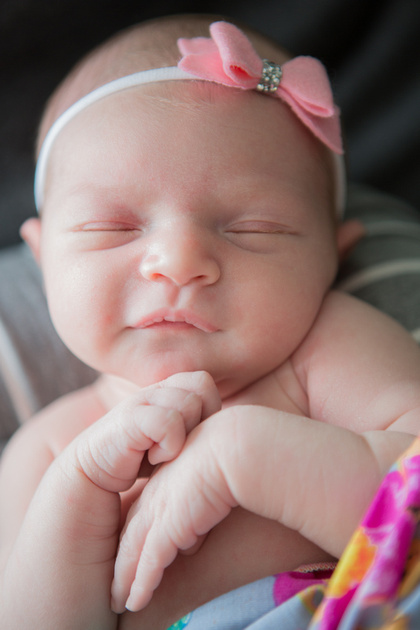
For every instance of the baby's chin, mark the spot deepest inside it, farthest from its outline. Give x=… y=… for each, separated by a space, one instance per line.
x=155 y=368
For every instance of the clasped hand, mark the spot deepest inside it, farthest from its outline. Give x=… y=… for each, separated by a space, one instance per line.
x=183 y=499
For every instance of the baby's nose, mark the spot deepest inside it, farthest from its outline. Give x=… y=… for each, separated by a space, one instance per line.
x=180 y=257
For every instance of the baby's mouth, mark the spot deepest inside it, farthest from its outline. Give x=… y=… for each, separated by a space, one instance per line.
x=177 y=320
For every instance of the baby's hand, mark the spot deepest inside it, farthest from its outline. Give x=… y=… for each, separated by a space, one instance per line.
x=69 y=535
x=200 y=383
x=183 y=501
x=157 y=420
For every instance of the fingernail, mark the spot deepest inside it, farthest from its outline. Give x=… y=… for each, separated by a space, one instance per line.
x=136 y=601
x=116 y=608
x=130 y=604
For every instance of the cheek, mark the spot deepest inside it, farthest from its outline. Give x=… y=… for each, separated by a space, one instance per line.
x=281 y=303
x=80 y=306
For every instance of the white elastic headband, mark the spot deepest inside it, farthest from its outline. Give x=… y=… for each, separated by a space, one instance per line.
x=155 y=75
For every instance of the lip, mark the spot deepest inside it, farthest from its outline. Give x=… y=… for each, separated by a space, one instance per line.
x=168 y=316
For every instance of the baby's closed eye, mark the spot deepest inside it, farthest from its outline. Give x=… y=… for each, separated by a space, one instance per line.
x=258 y=235
x=260 y=227
x=106 y=234
x=108 y=226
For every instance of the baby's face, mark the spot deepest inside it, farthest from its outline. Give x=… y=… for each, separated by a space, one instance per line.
x=182 y=234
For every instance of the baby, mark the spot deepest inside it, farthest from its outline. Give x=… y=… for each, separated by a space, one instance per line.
x=189 y=234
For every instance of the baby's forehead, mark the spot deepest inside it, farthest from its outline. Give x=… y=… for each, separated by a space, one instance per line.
x=148 y=107
x=211 y=103
x=174 y=123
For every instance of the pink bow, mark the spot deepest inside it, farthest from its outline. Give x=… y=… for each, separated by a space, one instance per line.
x=228 y=57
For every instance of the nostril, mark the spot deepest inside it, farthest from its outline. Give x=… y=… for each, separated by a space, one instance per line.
x=180 y=265
x=156 y=277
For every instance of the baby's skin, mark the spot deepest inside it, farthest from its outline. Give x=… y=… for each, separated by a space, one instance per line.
x=86 y=489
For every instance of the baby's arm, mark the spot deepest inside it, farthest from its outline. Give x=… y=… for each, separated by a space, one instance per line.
x=313 y=478
x=308 y=474
x=58 y=569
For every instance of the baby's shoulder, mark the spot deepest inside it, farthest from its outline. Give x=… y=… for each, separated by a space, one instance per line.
x=57 y=425
x=344 y=330
x=344 y=307
x=353 y=357
x=344 y=319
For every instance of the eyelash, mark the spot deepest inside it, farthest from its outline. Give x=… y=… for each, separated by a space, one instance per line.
x=260 y=227
x=108 y=227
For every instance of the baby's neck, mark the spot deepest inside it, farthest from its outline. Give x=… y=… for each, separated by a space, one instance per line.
x=111 y=390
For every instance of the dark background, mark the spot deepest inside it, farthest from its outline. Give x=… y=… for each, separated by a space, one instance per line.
x=371 y=49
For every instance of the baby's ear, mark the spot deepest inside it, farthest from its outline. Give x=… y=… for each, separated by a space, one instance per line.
x=349 y=234
x=30 y=231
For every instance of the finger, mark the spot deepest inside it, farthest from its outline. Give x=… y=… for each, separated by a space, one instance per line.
x=194 y=548
x=129 y=498
x=133 y=535
x=158 y=553
x=146 y=548
x=126 y=563
x=188 y=403
x=110 y=451
x=168 y=435
x=202 y=384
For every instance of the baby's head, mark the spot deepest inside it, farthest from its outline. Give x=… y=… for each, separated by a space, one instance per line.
x=155 y=45
x=187 y=225
x=151 y=44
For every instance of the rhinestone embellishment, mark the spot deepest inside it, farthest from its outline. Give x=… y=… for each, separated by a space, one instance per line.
x=270 y=78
